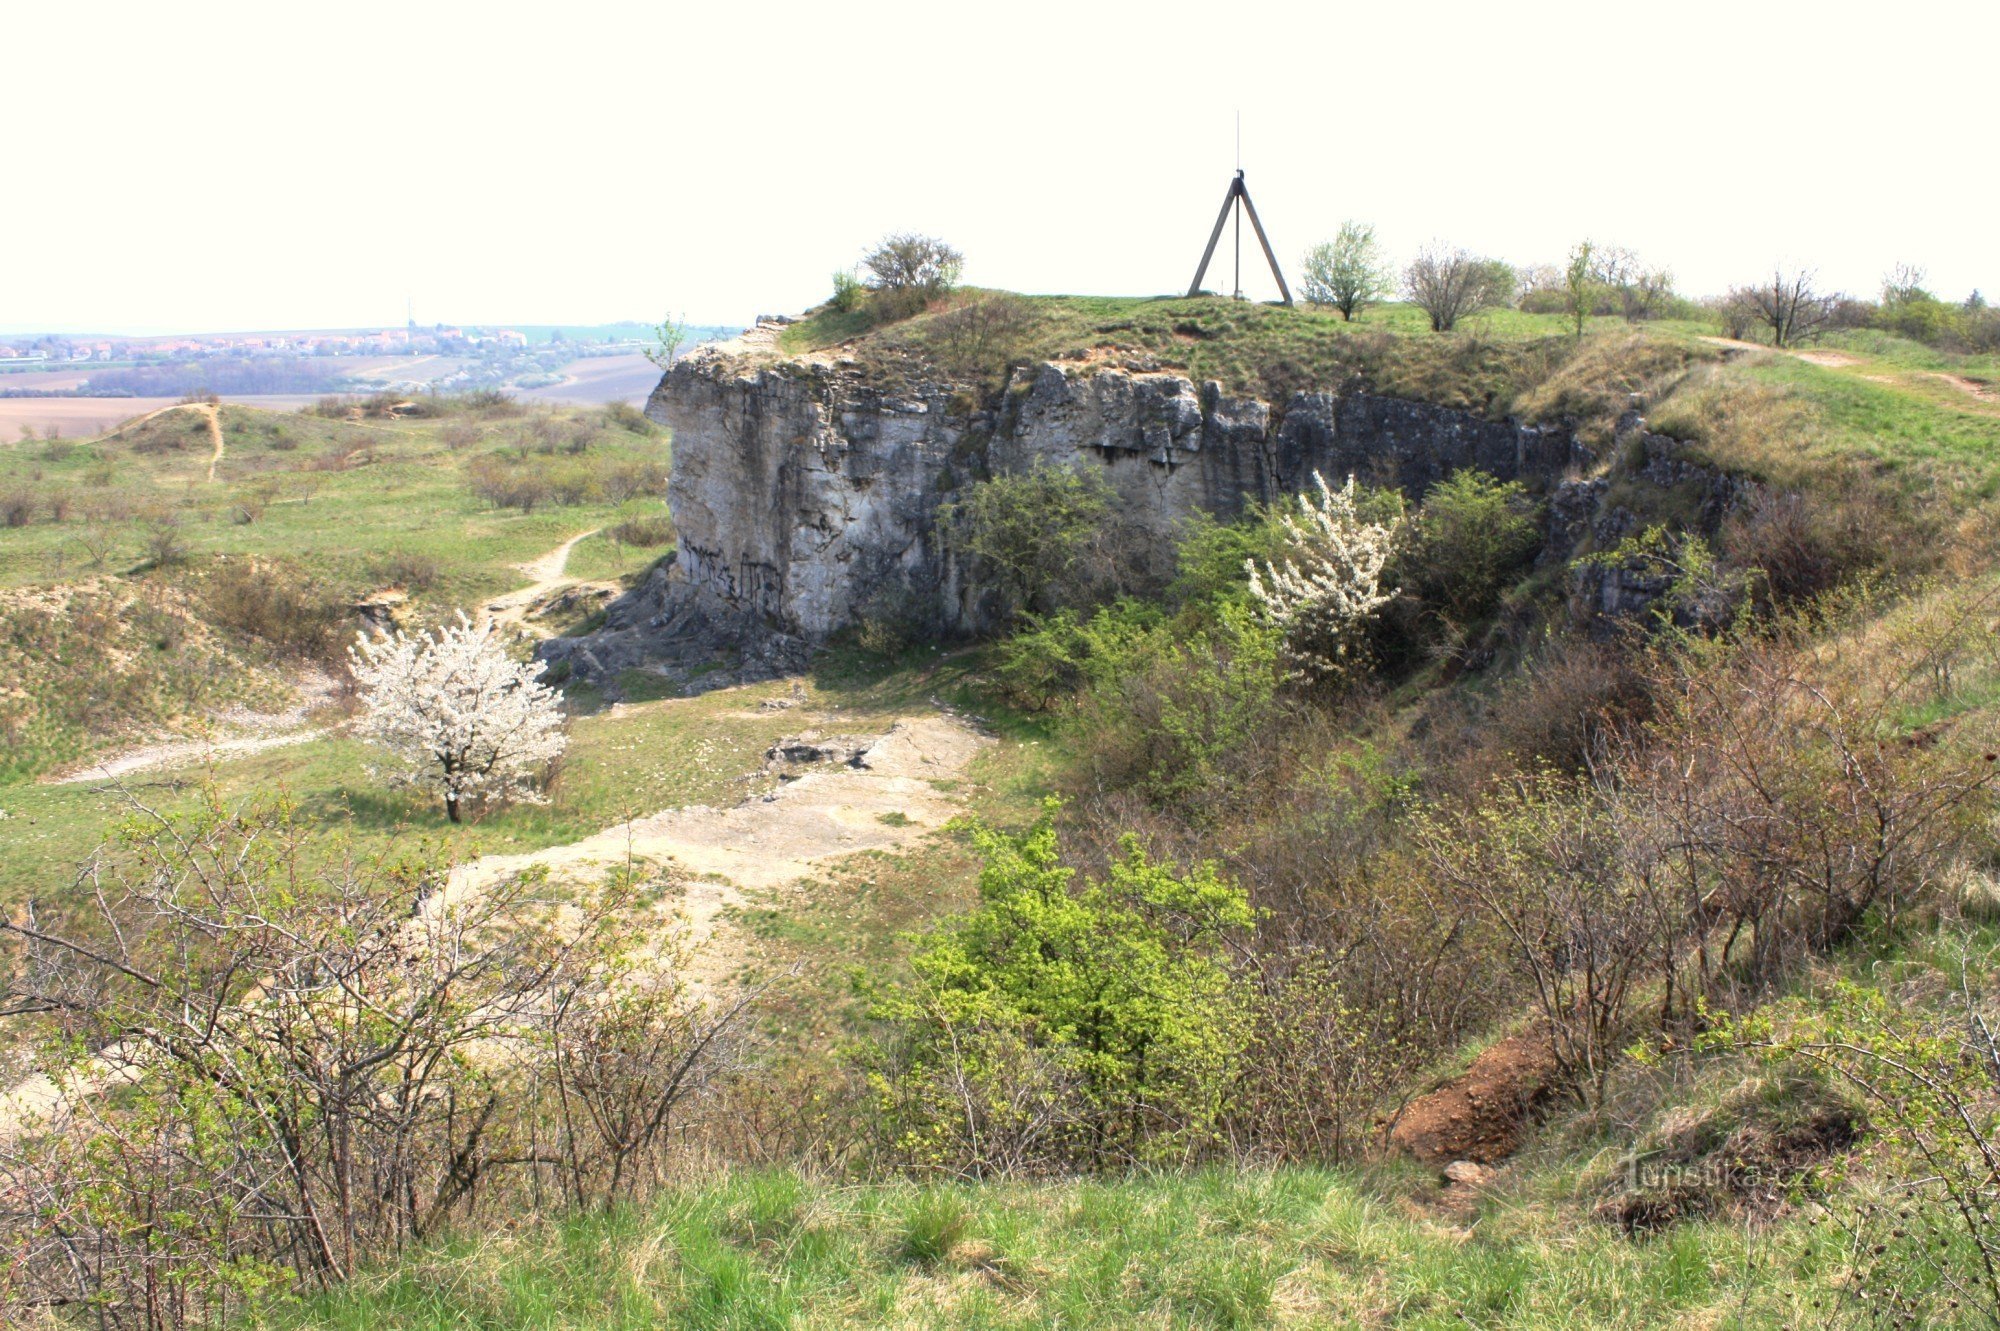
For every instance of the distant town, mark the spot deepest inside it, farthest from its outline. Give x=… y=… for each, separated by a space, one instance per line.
x=456 y=359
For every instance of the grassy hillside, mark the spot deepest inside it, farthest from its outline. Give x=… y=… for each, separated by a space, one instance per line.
x=1236 y=1248
x=181 y=580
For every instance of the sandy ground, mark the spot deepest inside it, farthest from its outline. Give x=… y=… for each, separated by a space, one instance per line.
x=888 y=798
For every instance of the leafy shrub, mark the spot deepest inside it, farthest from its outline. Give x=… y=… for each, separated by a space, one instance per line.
x=1184 y=718
x=1052 y=656
x=849 y=292
x=1472 y=535
x=1062 y=1025
x=1038 y=535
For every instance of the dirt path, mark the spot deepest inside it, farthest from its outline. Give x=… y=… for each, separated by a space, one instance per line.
x=547 y=577
x=214 y=433
x=896 y=789
x=208 y=409
x=1830 y=359
x=254 y=732
x=1978 y=388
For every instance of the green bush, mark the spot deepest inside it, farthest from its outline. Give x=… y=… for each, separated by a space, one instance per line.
x=1472 y=536
x=1036 y=536
x=849 y=293
x=1183 y=717
x=1061 y=1025
x=1053 y=656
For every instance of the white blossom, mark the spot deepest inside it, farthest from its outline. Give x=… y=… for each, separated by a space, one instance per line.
x=458 y=714
x=1330 y=586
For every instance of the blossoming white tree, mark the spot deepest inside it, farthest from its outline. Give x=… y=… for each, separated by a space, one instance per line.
x=1325 y=593
x=458 y=714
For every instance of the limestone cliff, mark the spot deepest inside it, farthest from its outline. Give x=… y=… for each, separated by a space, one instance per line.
x=805 y=491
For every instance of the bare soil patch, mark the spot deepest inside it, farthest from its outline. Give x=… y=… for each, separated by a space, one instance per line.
x=880 y=798
x=1480 y=1115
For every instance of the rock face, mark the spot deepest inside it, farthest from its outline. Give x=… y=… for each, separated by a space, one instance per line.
x=805 y=495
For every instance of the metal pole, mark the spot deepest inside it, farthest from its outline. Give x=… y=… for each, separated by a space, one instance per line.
x=1265 y=241
x=1228 y=198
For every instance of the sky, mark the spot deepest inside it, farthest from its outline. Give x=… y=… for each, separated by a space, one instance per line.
x=207 y=166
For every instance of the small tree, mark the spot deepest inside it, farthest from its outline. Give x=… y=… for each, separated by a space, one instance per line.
x=1580 y=285
x=908 y=271
x=458 y=714
x=1331 y=586
x=1791 y=306
x=1449 y=284
x=1061 y=1023
x=1348 y=272
x=668 y=338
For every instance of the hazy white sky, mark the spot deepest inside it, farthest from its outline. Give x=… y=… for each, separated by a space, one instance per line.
x=197 y=166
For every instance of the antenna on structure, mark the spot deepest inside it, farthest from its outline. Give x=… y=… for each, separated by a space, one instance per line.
x=1238 y=200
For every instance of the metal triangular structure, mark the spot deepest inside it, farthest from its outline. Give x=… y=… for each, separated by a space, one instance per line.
x=1238 y=198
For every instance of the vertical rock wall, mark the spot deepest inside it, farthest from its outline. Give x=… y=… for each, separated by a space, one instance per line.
x=805 y=495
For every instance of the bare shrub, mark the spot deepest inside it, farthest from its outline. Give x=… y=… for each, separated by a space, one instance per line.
x=1790 y=306
x=1562 y=710
x=625 y=416
x=18 y=507
x=1448 y=284
x=407 y=569
x=460 y=435
x=163 y=541
x=908 y=271
x=632 y=479
x=97 y=540
x=644 y=532
x=982 y=336
x=276 y=605
x=1545 y=859
x=1804 y=544
x=503 y=486
x=320 y=1062
x=1794 y=811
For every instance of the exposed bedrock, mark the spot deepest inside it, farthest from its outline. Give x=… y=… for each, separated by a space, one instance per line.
x=805 y=497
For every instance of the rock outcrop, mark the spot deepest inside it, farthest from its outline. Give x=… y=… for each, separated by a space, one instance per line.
x=805 y=492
